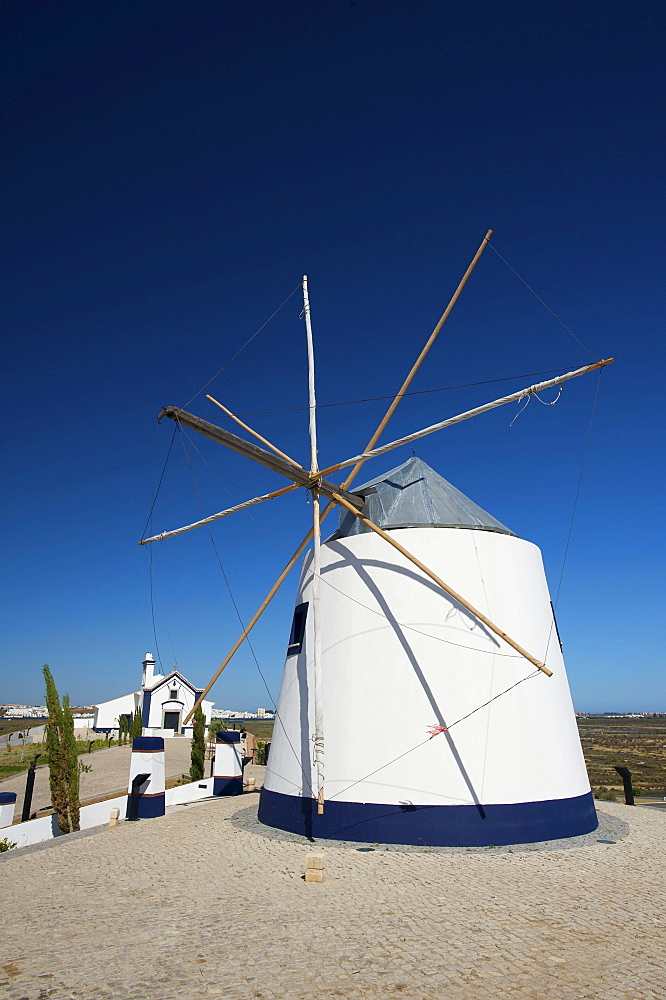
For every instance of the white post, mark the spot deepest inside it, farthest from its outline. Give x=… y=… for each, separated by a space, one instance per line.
x=148 y=758
x=228 y=764
x=316 y=561
x=7 y=805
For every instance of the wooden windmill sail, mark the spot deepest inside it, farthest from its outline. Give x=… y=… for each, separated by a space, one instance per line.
x=314 y=683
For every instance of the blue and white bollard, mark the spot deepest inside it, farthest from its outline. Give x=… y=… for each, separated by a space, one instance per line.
x=228 y=766
x=7 y=804
x=148 y=758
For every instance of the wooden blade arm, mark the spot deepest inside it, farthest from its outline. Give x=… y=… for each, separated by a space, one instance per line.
x=296 y=473
x=515 y=396
x=254 y=433
x=449 y=590
x=417 y=364
x=220 y=514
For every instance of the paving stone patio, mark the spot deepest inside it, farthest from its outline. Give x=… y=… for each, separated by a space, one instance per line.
x=201 y=903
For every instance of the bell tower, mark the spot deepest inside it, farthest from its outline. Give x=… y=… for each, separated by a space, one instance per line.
x=148 y=675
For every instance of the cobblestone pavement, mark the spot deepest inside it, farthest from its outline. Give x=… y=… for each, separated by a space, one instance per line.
x=197 y=905
x=110 y=773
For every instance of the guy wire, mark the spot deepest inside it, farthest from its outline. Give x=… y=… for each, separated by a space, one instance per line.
x=246 y=344
x=233 y=497
x=156 y=492
x=403 y=395
x=534 y=673
x=544 y=304
x=573 y=511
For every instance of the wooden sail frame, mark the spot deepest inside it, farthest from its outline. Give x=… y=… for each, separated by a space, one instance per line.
x=341 y=498
x=373 y=440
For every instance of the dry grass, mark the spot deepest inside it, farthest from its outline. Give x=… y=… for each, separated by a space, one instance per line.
x=13 y=760
x=639 y=744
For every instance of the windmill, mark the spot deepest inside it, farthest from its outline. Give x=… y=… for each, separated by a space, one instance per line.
x=404 y=713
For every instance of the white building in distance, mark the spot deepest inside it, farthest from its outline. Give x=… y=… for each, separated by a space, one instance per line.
x=165 y=701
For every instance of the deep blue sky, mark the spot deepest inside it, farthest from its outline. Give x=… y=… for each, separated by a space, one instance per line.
x=170 y=171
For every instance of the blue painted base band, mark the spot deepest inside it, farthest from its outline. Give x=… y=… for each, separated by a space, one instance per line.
x=147 y=744
x=150 y=806
x=228 y=786
x=433 y=826
x=7 y=798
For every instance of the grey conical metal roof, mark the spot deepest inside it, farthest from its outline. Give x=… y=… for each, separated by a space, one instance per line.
x=415 y=496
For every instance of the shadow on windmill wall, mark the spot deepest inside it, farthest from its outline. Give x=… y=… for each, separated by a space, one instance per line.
x=360 y=567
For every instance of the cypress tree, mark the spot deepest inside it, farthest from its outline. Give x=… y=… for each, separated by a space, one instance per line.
x=136 y=727
x=72 y=765
x=63 y=758
x=198 y=745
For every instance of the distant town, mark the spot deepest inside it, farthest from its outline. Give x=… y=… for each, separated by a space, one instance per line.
x=621 y=715
x=39 y=712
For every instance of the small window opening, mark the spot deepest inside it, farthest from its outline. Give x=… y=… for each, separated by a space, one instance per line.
x=297 y=629
x=557 y=631
x=173 y=694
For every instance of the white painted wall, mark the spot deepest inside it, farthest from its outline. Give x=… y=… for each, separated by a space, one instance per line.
x=7 y=813
x=161 y=702
x=35 y=831
x=190 y=792
x=384 y=685
x=107 y=713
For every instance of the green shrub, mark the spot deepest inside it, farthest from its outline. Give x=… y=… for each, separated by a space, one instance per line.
x=216 y=726
x=136 y=726
x=62 y=752
x=604 y=794
x=198 y=745
x=6 y=845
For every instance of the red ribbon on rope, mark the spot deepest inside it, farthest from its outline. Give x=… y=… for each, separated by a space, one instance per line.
x=436 y=730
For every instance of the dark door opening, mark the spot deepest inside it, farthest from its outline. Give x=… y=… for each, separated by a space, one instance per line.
x=172 y=721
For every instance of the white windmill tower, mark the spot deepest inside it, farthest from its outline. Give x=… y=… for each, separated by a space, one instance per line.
x=404 y=714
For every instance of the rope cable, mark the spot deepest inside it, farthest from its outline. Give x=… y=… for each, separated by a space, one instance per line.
x=410 y=628
x=159 y=485
x=246 y=344
x=152 y=608
x=415 y=392
x=544 y=304
x=544 y=402
x=528 y=677
x=578 y=485
x=155 y=493
x=233 y=497
x=553 y=623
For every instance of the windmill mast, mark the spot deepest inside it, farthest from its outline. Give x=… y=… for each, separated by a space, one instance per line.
x=316 y=561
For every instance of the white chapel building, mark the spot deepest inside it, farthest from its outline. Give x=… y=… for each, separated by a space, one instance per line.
x=164 y=700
